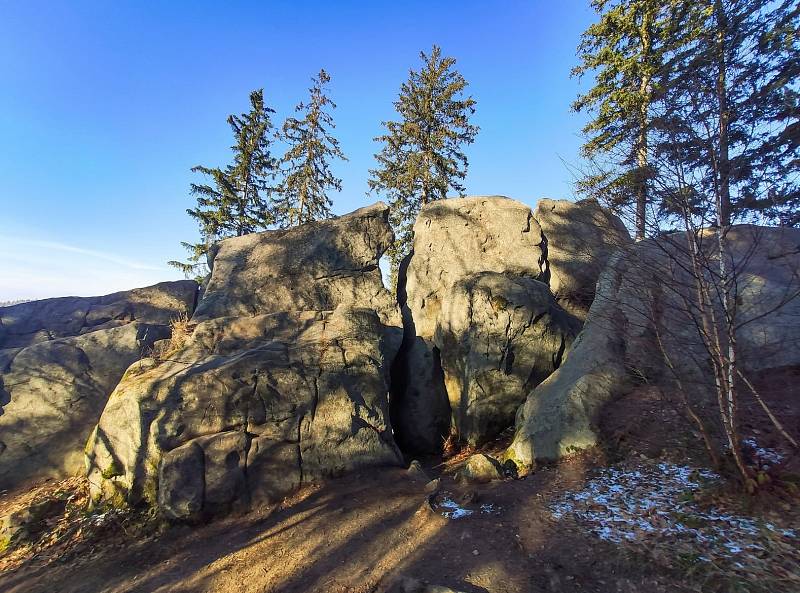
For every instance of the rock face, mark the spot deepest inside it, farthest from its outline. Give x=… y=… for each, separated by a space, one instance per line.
x=580 y=238
x=266 y=395
x=641 y=296
x=558 y=416
x=52 y=392
x=251 y=408
x=455 y=241
x=39 y=321
x=480 y=468
x=499 y=336
x=313 y=267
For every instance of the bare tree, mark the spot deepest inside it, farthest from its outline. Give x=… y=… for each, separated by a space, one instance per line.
x=698 y=294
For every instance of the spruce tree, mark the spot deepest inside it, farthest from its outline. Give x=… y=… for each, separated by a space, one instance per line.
x=303 y=193
x=731 y=123
x=624 y=51
x=422 y=156
x=236 y=200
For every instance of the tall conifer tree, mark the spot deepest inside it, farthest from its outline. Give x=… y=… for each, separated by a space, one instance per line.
x=732 y=110
x=422 y=155
x=303 y=193
x=624 y=51
x=695 y=96
x=236 y=201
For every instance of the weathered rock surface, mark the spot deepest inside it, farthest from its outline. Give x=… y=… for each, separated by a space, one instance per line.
x=579 y=239
x=643 y=296
x=453 y=239
x=250 y=409
x=499 y=336
x=481 y=468
x=463 y=236
x=313 y=267
x=29 y=323
x=458 y=238
x=52 y=394
x=558 y=417
x=284 y=380
x=60 y=359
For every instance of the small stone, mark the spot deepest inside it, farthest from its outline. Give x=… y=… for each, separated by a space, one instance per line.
x=433 y=486
x=416 y=473
x=481 y=468
x=475 y=552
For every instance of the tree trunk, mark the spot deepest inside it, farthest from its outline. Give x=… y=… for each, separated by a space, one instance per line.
x=723 y=164
x=642 y=160
x=641 y=175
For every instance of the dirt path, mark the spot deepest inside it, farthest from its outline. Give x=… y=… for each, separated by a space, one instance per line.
x=358 y=534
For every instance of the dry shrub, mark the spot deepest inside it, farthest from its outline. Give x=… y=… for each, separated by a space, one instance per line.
x=181 y=329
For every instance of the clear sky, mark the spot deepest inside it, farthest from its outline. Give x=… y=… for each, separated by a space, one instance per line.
x=105 y=106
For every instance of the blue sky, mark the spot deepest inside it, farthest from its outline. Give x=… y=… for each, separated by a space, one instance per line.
x=105 y=106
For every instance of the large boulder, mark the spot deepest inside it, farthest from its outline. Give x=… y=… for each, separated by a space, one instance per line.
x=60 y=359
x=562 y=244
x=643 y=323
x=52 y=394
x=499 y=336
x=312 y=267
x=38 y=321
x=249 y=409
x=580 y=237
x=283 y=381
x=453 y=239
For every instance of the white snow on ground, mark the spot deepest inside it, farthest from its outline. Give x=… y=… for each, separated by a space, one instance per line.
x=653 y=501
x=450 y=509
x=765 y=457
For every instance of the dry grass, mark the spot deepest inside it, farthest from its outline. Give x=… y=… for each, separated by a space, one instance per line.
x=68 y=528
x=456 y=452
x=181 y=329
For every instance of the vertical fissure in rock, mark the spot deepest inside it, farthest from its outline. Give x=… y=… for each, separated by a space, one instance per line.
x=248 y=437
x=544 y=262
x=559 y=355
x=315 y=401
x=195 y=300
x=300 y=448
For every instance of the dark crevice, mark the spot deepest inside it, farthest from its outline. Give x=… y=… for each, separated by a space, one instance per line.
x=544 y=262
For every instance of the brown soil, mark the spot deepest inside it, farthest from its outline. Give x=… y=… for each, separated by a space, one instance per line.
x=649 y=423
x=356 y=535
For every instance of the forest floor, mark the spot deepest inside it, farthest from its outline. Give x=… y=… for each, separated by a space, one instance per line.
x=644 y=514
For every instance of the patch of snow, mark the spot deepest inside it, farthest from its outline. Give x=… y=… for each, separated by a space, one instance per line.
x=453 y=510
x=627 y=504
x=766 y=457
x=450 y=509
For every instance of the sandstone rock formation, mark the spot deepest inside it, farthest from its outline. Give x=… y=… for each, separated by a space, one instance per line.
x=558 y=416
x=580 y=238
x=53 y=390
x=642 y=299
x=38 y=321
x=480 y=468
x=252 y=407
x=456 y=239
x=284 y=380
x=453 y=239
x=499 y=336
x=313 y=267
